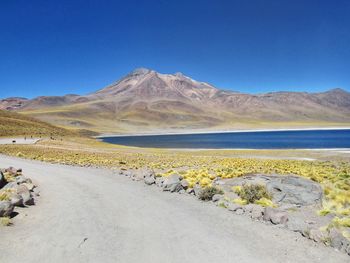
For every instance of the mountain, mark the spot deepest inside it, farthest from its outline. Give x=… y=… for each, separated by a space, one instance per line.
x=147 y=101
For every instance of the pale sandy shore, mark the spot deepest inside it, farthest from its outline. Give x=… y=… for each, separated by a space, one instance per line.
x=95 y=215
x=21 y=140
x=218 y=131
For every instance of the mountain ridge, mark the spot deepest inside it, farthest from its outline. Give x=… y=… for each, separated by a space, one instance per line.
x=146 y=99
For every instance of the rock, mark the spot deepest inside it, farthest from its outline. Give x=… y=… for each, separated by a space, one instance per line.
x=295 y=190
x=159 y=181
x=185 y=184
x=233 y=207
x=286 y=189
x=6 y=208
x=36 y=191
x=222 y=203
x=3 y=181
x=149 y=180
x=231 y=195
x=257 y=212
x=298 y=225
x=338 y=241
x=172 y=183
x=16 y=199
x=30 y=186
x=248 y=208
x=22 y=179
x=12 y=171
x=316 y=235
x=217 y=197
x=197 y=189
x=239 y=211
x=182 y=191
x=23 y=191
x=275 y=216
x=190 y=191
x=10 y=185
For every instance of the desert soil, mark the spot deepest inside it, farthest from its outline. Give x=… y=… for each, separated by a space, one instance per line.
x=94 y=215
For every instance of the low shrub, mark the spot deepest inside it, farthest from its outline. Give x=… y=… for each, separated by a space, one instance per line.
x=207 y=193
x=253 y=192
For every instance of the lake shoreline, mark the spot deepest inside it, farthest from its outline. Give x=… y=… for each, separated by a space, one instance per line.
x=219 y=132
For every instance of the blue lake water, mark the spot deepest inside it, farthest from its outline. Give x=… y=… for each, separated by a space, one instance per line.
x=302 y=139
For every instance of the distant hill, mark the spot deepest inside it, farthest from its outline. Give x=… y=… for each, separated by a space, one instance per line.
x=147 y=101
x=14 y=124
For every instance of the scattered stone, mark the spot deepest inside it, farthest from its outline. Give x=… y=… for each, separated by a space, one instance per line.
x=248 y=208
x=16 y=199
x=23 y=191
x=338 y=241
x=316 y=235
x=149 y=180
x=159 y=181
x=197 y=189
x=190 y=191
x=275 y=216
x=233 y=207
x=3 y=181
x=185 y=184
x=257 y=212
x=10 y=185
x=36 y=191
x=30 y=186
x=222 y=203
x=172 y=183
x=296 y=224
x=239 y=211
x=21 y=180
x=6 y=208
x=217 y=197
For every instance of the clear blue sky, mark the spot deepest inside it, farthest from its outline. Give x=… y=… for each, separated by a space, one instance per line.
x=50 y=47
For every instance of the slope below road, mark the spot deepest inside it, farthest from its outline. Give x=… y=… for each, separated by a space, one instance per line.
x=94 y=215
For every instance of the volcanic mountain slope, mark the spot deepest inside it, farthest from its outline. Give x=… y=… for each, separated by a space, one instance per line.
x=147 y=101
x=14 y=124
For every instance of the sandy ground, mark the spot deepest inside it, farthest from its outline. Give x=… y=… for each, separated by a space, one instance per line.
x=94 y=215
x=18 y=140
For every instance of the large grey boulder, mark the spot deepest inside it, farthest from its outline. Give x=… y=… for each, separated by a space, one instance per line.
x=285 y=189
x=172 y=183
x=6 y=208
x=295 y=190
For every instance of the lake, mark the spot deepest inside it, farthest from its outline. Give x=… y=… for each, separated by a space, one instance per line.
x=295 y=139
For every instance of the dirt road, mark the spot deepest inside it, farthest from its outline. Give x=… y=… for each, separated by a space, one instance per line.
x=94 y=215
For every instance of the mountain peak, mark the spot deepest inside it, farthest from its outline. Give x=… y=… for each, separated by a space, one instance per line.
x=337 y=90
x=140 y=71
